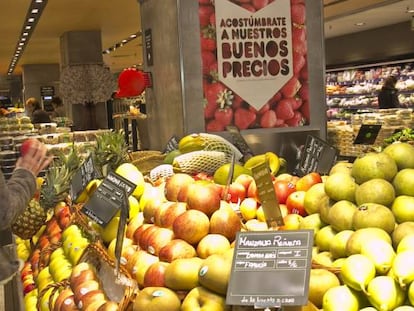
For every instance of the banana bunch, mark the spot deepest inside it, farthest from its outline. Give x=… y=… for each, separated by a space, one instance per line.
x=275 y=163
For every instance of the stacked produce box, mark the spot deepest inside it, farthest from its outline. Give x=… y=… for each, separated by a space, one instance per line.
x=180 y=235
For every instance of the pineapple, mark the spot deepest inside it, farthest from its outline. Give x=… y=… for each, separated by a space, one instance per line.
x=30 y=221
x=53 y=190
x=110 y=151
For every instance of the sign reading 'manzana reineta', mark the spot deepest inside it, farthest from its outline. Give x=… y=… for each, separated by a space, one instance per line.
x=254 y=50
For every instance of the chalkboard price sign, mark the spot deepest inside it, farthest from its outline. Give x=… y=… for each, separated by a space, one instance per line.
x=367 y=134
x=271 y=269
x=108 y=198
x=172 y=144
x=317 y=156
x=82 y=177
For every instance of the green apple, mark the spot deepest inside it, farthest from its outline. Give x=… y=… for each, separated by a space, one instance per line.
x=215 y=272
x=182 y=274
x=157 y=298
x=201 y=299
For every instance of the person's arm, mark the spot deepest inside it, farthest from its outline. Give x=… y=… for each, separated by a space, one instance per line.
x=15 y=195
x=20 y=188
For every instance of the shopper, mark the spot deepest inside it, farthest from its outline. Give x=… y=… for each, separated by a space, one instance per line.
x=16 y=193
x=388 y=96
x=58 y=108
x=36 y=113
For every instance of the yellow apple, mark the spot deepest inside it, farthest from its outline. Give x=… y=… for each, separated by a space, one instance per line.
x=248 y=208
x=182 y=274
x=200 y=298
x=157 y=298
x=211 y=244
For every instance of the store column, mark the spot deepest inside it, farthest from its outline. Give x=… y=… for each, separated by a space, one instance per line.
x=40 y=77
x=85 y=83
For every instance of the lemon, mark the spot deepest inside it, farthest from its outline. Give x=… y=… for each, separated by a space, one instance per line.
x=132 y=173
x=220 y=175
x=134 y=207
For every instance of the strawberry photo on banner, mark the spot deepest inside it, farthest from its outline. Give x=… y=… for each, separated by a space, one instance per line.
x=255 y=72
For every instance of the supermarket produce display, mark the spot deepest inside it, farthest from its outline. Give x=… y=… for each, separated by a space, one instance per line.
x=180 y=235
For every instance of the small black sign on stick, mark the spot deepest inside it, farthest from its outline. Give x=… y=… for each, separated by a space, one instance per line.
x=367 y=134
x=271 y=269
x=82 y=177
x=108 y=198
x=317 y=156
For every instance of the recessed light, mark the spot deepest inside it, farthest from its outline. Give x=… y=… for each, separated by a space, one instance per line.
x=28 y=27
x=35 y=11
x=359 y=24
x=30 y=20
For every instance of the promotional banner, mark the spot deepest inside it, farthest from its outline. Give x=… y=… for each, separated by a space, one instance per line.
x=254 y=63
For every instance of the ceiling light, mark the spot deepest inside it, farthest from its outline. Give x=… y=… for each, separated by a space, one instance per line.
x=359 y=24
x=122 y=43
x=32 y=17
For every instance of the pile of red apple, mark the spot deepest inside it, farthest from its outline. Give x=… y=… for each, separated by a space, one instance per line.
x=169 y=246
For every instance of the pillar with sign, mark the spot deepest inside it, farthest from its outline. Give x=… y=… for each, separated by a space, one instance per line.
x=229 y=63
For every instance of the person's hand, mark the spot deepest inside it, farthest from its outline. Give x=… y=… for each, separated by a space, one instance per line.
x=35 y=160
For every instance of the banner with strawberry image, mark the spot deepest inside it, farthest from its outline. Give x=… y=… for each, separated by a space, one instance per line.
x=254 y=63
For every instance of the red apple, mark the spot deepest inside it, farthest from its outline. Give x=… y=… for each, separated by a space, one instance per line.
x=109 y=306
x=139 y=231
x=159 y=239
x=237 y=192
x=245 y=180
x=191 y=226
x=150 y=208
x=283 y=189
x=174 y=184
x=82 y=288
x=145 y=236
x=160 y=210
x=252 y=191
x=167 y=217
x=225 y=221
x=63 y=295
x=155 y=274
x=295 y=203
x=307 y=181
x=92 y=300
x=26 y=146
x=68 y=304
x=175 y=249
x=204 y=197
x=133 y=225
x=142 y=264
x=80 y=273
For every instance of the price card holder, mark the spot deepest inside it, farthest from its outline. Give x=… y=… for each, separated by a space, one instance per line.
x=172 y=144
x=367 y=134
x=271 y=269
x=317 y=156
x=107 y=198
x=82 y=177
x=267 y=195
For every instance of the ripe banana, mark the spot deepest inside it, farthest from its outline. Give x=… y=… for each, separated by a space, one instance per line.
x=208 y=142
x=271 y=158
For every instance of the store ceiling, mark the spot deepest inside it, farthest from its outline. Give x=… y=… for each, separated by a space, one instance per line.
x=121 y=18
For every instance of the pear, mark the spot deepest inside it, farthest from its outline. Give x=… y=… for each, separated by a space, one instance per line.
x=340 y=298
x=404 y=308
x=403 y=269
x=384 y=293
x=406 y=243
x=363 y=236
x=324 y=237
x=357 y=271
x=381 y=253
x=368 y=309
x=411 y=293
x=338 y=243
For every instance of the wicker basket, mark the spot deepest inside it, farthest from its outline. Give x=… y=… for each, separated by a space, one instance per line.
x=120 y=289
x=146 y=160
